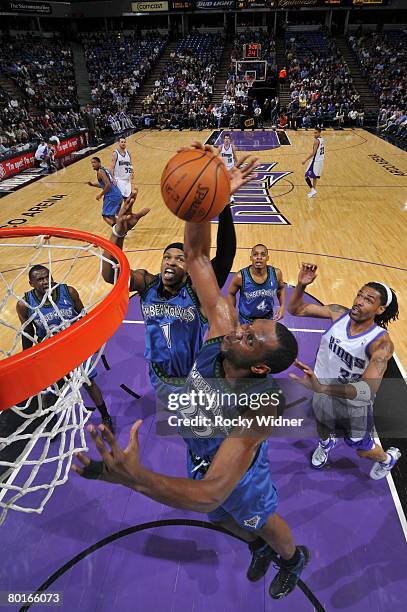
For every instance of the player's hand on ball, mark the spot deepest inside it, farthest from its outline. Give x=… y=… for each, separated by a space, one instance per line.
x=309 y=380
x=243 y=172
x=127 y=219
x=117 y=466
x=307 y=274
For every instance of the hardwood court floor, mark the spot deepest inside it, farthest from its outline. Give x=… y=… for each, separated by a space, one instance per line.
x=355 y=229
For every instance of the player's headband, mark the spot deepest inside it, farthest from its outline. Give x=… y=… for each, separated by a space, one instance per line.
x=389 y=294
x=174 y=245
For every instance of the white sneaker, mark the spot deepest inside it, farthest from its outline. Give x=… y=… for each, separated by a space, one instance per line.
x=321 y=453
x=380 y=470
x=312 y=193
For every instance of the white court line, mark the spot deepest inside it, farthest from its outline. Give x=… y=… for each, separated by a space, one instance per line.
x=389 y=478
x=294 y=329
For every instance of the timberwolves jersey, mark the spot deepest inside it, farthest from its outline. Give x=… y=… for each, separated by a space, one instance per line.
x=175 y=329
x=49 y=317
x=202 y=434
x=113 y=198
x=227 y=156
x=114 y=190
x=256 y=300
x=344 y=358
x=123 y=166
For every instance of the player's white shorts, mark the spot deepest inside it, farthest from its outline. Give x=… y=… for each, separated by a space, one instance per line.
x=315 y=168
x=125 y=187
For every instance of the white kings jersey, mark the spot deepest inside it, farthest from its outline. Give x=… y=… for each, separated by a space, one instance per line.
x=320 y=154
x=123 y=167
x=227 y=156
x=344 y=358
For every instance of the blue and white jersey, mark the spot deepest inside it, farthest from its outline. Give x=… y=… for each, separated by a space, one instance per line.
x=256 y=300
x=175 y=329
x=49 y=318
x=344 y=358
x=114 y=191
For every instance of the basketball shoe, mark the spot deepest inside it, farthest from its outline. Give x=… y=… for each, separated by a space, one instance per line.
x=381 y=469
x=321 y=453
x=263 y=555
x=289 y=573
x=312 y=193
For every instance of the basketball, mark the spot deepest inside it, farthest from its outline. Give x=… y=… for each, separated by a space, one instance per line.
x=195 y=185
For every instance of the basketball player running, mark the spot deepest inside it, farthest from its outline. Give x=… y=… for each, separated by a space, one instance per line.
x=52 y=309
x=228 y=154
x=229 y=476
x=316 y=165
x=175 y=323
x=258 y=285
x=122 y=169
x=350 y=364
x=111 y=194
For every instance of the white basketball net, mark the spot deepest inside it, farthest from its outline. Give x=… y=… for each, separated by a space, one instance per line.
x=39 y=437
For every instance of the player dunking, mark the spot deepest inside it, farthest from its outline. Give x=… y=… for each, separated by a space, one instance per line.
x=350 y=364
x=228 y=154
x=52 y=309
x=111 y=194
x=314 y=170
x=229 y=475
x=175 y=323
x=122 y=169
x=258 y=285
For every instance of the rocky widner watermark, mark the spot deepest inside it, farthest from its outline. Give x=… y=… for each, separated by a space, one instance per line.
x=210 y=408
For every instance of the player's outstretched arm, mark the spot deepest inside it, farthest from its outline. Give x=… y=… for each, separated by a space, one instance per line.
x=217 y=308
x=126 y=221
x=123 y=467
x=297 y=305
x=29 y=329
x=225 y=246
x=234 y=288
x=281 y=294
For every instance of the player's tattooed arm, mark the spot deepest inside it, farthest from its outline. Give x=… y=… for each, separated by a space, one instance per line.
x=234 y=288
x=300 y=308
x=126 y=221
x=380 y=353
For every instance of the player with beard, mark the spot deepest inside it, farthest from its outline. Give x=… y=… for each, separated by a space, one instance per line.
x=229 y=472
x=175 y=323
x=258 y=285
x=350 y=364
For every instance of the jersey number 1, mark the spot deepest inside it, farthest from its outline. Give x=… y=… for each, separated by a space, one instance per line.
x=166 y=333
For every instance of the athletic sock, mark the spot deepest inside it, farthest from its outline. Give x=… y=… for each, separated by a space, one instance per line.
x=258 y=546
x=387 y=460
x=308 y=181
x=103 y=410
x=295 y=559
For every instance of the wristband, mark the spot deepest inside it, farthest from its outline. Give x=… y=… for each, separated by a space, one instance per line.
x=115 y=233
x=363 y=391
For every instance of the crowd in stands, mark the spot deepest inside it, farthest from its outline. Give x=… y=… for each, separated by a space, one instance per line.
x=43 y=71
x=382 y=57
x=182 y=92
x=321 y=89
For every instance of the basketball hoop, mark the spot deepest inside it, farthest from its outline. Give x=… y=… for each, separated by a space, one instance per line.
x=249 y=80
x=40 y=398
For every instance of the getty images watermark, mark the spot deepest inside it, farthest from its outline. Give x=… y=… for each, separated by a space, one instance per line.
x=210 y=413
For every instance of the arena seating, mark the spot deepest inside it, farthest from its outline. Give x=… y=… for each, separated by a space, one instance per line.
x=181 y=96
x=321 y=89
x=382 y=58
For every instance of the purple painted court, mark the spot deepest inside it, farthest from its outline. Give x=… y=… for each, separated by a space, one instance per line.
x=348 y=521
x=253 y=141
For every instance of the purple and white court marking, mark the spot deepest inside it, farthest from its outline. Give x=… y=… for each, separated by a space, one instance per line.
x=348 y=521
x=251 y=141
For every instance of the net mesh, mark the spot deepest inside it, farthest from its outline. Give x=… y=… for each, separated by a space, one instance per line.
x=39 y=436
